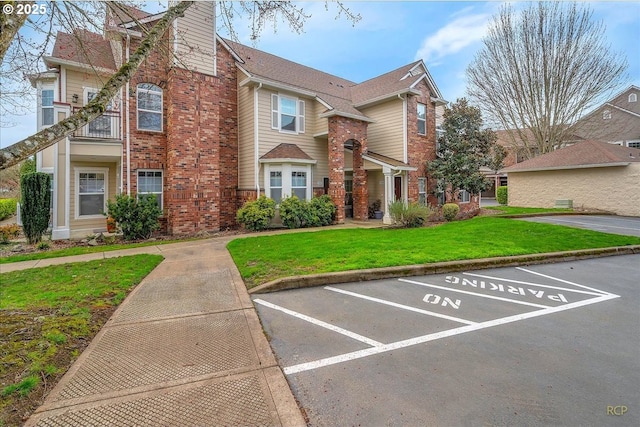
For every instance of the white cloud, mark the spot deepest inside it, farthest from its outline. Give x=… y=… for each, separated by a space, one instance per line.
x=453 y=37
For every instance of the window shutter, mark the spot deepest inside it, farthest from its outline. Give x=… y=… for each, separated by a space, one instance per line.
x=301 y=116
x=274 y=111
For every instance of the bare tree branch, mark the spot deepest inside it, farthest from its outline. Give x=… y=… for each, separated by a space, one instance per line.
x=47 y=137
x=540 y=70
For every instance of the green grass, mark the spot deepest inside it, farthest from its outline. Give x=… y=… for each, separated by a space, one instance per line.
x=514 y=210
x=265 y=258
x=48 y=315
x=82 y=250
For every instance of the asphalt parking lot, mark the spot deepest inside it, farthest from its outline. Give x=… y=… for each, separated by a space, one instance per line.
x=555 y=344
x=629 y=226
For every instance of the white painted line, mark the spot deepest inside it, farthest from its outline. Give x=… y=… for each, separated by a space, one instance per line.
x=564 y=281
x=475 y=294
x=320 y=323
x=404 y=307
x=595 y=292
x=438 y=335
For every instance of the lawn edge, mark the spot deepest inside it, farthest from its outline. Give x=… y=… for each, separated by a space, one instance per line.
x=311 y=280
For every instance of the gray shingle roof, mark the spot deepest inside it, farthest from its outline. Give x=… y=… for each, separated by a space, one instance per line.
x=580 y=155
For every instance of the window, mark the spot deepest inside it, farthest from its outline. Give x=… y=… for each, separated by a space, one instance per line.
x=634 y=144
x=101 y=125
x=299 y=184
x=150 y=182
x=606 y=115
x=275 y=185
x=47 y=107
x=422 y=191
x=422 y=119
x=633 y=97
x=287 y=114
x=465 y=196
x=149 y=107
x=91 y=186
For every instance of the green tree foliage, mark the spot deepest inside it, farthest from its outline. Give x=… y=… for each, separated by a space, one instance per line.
x=463 y=149
x=35 y=205
x=138 y=218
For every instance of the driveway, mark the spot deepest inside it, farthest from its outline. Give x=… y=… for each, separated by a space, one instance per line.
x=626 y=225
x=553 y=344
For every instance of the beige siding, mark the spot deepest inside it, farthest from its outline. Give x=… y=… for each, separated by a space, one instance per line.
x=48 y=157
x=76 y=83
x=386 y=135
x=196 y=38
x=612 y=188
x=246 y=160
x=84 y=227
x=316 y=148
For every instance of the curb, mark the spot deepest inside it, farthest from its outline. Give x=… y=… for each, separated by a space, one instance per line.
x=297 y=282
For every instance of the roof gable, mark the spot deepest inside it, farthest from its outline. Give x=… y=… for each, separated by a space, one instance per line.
x=286 y=151
x=84 y=47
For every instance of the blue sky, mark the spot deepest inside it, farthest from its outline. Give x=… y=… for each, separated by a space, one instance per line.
x=445 y=34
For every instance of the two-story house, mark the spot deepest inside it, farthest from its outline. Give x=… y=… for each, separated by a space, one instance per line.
x=207 y=123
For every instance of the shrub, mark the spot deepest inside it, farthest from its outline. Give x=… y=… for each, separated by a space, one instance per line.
x=138 y=218
x=8 y=232
x=411 y=215
x=450 y=211
x=34 y=208
x=294 y=212
x=257 y=214
x=502 y=195
x=323 y=211
x=7 y=208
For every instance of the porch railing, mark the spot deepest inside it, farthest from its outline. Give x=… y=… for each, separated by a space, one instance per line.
x=107 y=126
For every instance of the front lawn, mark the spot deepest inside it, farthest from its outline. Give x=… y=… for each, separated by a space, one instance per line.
x=48 y=316
x=265 y=258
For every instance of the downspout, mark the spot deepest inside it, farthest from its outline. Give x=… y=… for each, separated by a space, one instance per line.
x=405 y=153
x=128 y=130
x=256 y=164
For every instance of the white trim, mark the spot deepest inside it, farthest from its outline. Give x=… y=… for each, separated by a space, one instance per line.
x=388 y=96
x=161 y=197
x=77 y=170
x=138 y=109
x=287 y=169
x=289 y=160
x=568 y=167
x=256 y=138
x=73 y=64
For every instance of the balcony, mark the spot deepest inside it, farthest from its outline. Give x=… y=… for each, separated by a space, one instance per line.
x=105 y=127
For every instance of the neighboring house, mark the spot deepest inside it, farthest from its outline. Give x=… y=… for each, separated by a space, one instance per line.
x=617 y=121
x=237 y=123
x=592 y=174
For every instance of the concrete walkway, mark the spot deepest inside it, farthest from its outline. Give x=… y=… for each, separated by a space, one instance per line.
x=185 y=348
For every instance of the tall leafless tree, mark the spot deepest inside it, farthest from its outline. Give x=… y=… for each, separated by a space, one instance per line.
x=23 y=55
x=541 y=69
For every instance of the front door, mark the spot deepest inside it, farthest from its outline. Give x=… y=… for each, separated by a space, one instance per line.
x=397 y=187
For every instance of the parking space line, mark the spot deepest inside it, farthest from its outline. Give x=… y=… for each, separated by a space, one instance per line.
x=595 y=292
x=599 y=292
x=320 y=323
x=404 y=307
x=438 y=335
x=460 y=291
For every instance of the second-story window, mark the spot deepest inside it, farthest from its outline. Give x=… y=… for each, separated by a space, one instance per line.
x=47 y=107
x=422 y=119
x=606 y=114
x=633 y=97
x=287 y=114
x=149 y=107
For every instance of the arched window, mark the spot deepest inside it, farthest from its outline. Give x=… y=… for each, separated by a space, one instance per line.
x=149 y=98
x=606 y=115
x=633 y=97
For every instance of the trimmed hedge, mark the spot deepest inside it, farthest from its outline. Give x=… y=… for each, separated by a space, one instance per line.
x=450 y=211
x=317 y=212
x=7 y=208
x=138 y=218
x=502 y=195
x=257 y=214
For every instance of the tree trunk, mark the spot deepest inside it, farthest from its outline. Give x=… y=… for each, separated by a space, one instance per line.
x=49 y=136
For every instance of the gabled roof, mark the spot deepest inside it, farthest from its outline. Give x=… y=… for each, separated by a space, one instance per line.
x=83 y=47
x=121 y=14
x=341 y=95
x=586 y=154
x=286 y=152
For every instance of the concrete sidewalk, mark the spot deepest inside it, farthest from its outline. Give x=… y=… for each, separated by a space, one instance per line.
x=185 y=348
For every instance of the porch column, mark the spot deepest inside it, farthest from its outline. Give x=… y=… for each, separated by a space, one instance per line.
x=336 y=169
x=388 y=194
